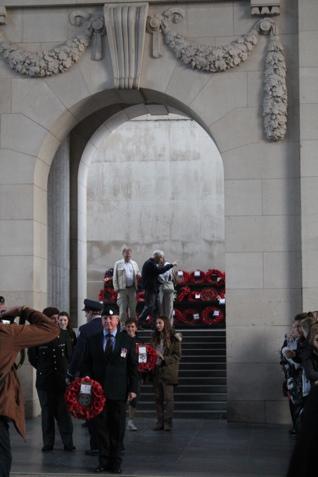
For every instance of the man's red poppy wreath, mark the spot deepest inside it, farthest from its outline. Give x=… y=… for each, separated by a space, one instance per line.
x=93 y=402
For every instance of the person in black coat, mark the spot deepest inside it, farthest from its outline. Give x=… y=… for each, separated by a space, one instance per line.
x=92 y=309
x=110 y=359
x=152 y=268
x=303 y=460
x=51 y=362
x=93 y=326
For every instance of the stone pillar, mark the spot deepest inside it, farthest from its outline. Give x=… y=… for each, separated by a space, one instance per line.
x=59 y=229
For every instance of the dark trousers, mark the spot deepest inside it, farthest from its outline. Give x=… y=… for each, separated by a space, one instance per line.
x=110 y=431
x=151 y=305
x=53 y=407
x=164 y=396
x=92 y=434
x=5 y=448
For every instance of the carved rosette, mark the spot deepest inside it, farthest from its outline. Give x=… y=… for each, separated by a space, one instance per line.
x=126 y=28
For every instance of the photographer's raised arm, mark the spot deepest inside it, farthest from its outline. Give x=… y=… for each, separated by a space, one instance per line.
x=40 y=330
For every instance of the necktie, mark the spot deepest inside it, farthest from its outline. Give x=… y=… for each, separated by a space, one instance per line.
x=108 y=347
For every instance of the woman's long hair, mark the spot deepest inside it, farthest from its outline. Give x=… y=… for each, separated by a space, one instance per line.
x=166 y=334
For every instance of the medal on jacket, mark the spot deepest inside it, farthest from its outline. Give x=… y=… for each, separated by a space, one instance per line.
x=123 y=352
x=85 y=394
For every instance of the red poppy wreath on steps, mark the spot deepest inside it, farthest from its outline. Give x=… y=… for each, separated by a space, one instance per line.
x=84 y=398
x=147 y=357
x=212 y=316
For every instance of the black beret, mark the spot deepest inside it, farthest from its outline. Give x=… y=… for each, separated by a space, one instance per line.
x=110 y=309
x=92 y=305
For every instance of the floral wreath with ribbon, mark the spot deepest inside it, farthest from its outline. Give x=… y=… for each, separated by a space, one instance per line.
x=212 y=316
x=84 y=398
x=146 y=361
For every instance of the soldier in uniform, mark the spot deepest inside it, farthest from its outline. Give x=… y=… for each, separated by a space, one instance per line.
x=51 y=362
x=92 y=310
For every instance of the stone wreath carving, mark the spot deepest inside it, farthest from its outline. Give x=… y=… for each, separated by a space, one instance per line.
x=49 y=62
x=217 y=59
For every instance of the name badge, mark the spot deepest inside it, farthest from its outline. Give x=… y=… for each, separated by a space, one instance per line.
x=123 y=352
x=142 y=354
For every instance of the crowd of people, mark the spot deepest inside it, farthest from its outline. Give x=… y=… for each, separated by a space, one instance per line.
x=105 y=350
x=299 y=360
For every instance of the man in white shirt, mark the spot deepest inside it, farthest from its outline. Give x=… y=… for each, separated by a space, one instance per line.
x=126 y=272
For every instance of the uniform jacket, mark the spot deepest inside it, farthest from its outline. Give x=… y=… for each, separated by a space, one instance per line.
x=14 y=338
x=117 y=372
x=119 y=276
x=168 y=370
x=51 y=361
x=150 y=273
x=85 y=331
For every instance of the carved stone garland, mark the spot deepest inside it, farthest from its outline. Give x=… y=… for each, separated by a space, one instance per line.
x=216 y=59
x=60 y=58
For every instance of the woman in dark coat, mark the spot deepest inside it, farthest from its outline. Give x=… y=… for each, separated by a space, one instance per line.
x=303 y=461
x=167 y=344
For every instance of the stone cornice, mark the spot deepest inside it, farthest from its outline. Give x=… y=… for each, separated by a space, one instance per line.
x=73 y=3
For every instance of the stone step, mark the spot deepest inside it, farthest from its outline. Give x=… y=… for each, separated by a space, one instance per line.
x=181 y=414
x=188 y=397
x=193 y=365
x=209 y=373
x=192 y=388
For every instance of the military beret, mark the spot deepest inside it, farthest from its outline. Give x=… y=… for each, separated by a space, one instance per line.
x=92 y=305
x=110 y=309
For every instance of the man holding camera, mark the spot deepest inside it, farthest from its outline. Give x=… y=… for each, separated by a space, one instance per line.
x=13 y=339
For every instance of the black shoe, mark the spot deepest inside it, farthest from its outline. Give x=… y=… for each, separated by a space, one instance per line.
x=92 y=452
x=102 y=469
x=69 y=448
x=47 y=448
x=116 y=469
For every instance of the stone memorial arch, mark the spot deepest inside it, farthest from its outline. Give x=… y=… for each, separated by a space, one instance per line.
x=69 y=66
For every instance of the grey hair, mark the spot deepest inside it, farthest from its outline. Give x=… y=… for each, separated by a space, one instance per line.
x=158 y=253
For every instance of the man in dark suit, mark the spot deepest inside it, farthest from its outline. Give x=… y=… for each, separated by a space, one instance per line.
x=152 y=268
x=92 y=310
x=110 y=359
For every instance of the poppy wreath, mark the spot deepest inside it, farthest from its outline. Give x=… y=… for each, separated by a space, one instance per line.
x=78 y=410
x=209 y=294
x=183 y=294
x=215 y=277
x=197 y=277
x=150 y=364
x=110 y=295
x=140 y=296
x=212 y=316
x=190 y=317
x=101 y=295
x=182 y=277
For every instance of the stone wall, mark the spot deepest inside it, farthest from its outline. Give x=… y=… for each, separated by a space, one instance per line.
x=270 y=223
x=155 y=183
